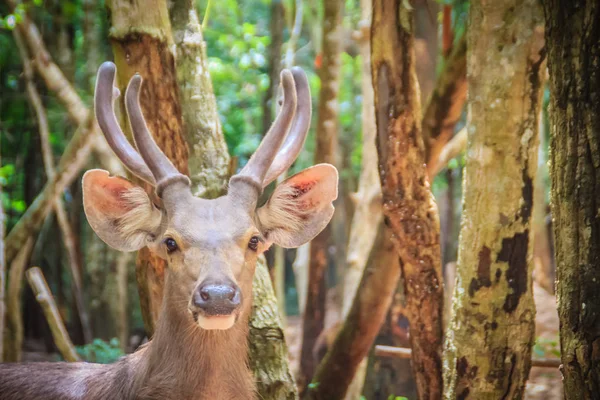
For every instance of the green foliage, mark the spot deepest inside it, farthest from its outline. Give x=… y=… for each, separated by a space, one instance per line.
x=100 y=351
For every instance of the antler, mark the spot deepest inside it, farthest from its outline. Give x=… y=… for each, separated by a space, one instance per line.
x=153 y=166
x=104 y=97
x=274 y=156
x=162 y=168
x=294 y=142
x=263 y=157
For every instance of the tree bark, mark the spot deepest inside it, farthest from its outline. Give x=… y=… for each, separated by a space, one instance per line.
x=572 y=29
x=491 y=333
x=208 y=161
x=325 y=152
x=268 y=350
x=408 y=205
x=276 y=26
x=379 y=281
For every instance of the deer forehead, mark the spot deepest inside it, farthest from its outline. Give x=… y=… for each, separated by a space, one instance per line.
x=211 y=223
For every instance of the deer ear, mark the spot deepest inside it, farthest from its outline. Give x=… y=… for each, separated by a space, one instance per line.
x=300 y=207
x=120 y=213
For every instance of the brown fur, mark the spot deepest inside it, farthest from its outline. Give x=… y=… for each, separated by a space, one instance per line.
x=181 y=362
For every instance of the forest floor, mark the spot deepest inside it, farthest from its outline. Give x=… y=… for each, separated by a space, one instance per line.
x=543 y=384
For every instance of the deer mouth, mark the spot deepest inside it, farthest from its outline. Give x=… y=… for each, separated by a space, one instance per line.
x=215 y=322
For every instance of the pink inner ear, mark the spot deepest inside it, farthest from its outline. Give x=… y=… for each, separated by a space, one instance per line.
x=104 y=194
x=313 y=187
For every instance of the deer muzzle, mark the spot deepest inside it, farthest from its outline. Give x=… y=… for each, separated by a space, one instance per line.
x=215 y=305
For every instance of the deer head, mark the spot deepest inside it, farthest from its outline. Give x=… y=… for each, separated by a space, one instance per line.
x=211 y=246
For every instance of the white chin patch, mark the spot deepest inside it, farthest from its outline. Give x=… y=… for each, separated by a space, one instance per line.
x=221 y=322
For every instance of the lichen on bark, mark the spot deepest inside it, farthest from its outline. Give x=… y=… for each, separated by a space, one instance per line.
x=491 y=333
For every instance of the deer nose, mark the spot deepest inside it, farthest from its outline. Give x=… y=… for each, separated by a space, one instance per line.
x=216 y=299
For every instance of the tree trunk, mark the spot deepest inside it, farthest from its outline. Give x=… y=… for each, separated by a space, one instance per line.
x=276 y=26
x=268 y=350
x=208 y=159
x=572 y=29
x=367 y=216
x=408 y=205
x=491 y=333
x=325 y=152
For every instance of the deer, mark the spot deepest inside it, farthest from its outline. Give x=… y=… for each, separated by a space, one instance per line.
x=200 y=345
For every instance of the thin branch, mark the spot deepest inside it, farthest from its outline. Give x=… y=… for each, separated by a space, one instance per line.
x=405 y=352
x=451 y=150
x=73 y=160
x=49 y=71
x=445 y=104
x=61 y=214
x=367 y=314
x=44 y=297
x=296 y=30
x=77 y=152
x=14 y=318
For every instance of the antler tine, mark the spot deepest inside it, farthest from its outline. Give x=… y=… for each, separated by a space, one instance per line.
x=294 y=142
x=104 y=97
x=263 y=157
x=162 y=168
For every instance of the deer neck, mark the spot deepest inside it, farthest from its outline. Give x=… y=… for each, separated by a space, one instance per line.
x=185 y=359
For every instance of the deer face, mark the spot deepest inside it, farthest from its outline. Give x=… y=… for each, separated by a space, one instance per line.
x=211 y=246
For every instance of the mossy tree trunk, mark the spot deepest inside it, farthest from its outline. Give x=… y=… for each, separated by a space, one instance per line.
x=572 y=35
x=491 y=333
x=409 y=208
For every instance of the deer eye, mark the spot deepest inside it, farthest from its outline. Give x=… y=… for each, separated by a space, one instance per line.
x=171 y=245
x=253 y=243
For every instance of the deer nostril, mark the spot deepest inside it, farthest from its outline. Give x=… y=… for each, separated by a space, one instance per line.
x=231 y=293
x=204 y=294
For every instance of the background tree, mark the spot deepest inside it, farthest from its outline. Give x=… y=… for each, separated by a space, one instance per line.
x=409 y=208
x=489 y=340
x=574 y=62
x=325 y=152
